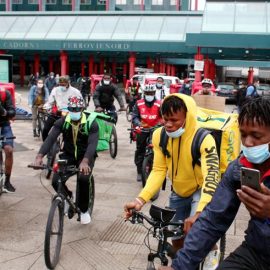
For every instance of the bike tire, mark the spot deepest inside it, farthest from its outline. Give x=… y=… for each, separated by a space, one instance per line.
x=146 y=170
x=55 y=218
x=91 y=194
x=40 y=126
x=51 y=160
x=128 y=113
x=113 y=143
x=2 y=181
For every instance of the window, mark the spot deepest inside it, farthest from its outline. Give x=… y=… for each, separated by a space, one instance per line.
x=32 y=2
x=121 y=2
x=157 y=2
x=50 y=2
x=66 y=2
x=17 y=2
x=101 y=2
x=85 y=2
x=138 y=2
x=173 y=2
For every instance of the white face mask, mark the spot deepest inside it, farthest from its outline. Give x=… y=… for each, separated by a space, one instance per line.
x=52 y=77
x=63 y=88
x=149 y=98
x=106 y=82
x=40 y=85
x=177 y=133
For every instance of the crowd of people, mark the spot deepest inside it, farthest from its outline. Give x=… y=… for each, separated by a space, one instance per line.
x=206 y=215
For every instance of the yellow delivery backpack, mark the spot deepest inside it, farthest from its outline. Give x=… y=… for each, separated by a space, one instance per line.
x=224 y=128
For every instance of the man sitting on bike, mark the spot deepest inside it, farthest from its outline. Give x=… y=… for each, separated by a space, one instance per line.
x=57 y=102
x=145 y=114
x=254 y=252
x=80 y=142
x=192 y=185
x=104 y=97
x=7 y=112
x=132 y=92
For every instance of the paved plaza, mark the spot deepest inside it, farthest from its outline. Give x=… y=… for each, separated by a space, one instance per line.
x=108 y=242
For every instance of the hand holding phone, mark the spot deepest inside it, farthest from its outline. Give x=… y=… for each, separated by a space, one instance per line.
x=251 y=178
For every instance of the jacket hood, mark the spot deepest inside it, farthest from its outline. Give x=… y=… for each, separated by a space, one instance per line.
x=191 y=116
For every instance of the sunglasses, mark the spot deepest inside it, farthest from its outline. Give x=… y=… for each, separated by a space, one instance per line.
x=75 y=109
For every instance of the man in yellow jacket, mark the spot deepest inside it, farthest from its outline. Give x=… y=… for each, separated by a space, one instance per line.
x=192 y=185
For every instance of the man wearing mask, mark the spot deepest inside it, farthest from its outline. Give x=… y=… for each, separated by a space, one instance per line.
x=207 y=86
x=192 y=185
x=38 y=95
x=217 y=217
x=50 y=82
x=79 y=148
x=57 y=102
x=145 y=114
x=104 y=95
x=160 y=88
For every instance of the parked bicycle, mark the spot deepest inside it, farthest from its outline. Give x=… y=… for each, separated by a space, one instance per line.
x=162 y=228
x=2 y=163
x=55 y=222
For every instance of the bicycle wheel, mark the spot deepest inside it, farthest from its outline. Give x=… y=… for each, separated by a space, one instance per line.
x=2 y=181
x=146 y=170
x=51 y=159
x=40 y=122
x=91 y=194
x=128 y=113
x=54 y=233
x=113 y=143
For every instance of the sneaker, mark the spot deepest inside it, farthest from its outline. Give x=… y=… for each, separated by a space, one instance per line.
x=139 y=177
x=8 y=188
x=85 y=218
x=211 y=261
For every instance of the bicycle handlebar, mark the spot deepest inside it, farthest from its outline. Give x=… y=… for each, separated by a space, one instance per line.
x=37 y=167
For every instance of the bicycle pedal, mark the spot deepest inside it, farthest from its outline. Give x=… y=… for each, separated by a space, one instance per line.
x=70 y=213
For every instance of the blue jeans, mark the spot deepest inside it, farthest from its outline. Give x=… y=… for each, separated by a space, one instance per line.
x=7 y=132
x=185 y=207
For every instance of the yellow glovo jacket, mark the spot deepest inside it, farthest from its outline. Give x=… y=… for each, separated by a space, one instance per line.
x=179 y=169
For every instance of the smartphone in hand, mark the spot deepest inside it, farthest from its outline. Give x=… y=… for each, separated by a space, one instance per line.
x=251 y=178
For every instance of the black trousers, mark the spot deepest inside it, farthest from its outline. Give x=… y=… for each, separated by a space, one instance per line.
x=141 y=144
x=48 y=125
x=83 y=182
x=244 y=258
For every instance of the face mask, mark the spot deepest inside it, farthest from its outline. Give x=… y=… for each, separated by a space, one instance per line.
x=63 y=88
x=106 y=82
x=52 y=77
x=187 y=85
x=75 y=116
x=40 y=85
x=149 y=98
x=256 y=154
x=176 y=134
x=159 y=85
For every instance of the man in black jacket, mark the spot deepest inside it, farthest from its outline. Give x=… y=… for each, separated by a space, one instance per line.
x=104 y=96
x=80 y=143
x=216 y=218
x=7 y=112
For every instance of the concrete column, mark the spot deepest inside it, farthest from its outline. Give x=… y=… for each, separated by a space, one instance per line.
x=82 y=69
x=168 y=70
x=212 y=74
x=114 y=65
x=36 y=63
x=206 y=69
x=22 y=71
x=132 y=62
x=149 y=62
x=198 y=57
x=63 y=60
x=250 y=75
x=91 y=65
x=124 y=74
x=51 y=64
x=173 y=70
x=101 y=65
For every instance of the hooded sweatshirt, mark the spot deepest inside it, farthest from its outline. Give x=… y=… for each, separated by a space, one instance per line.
x=185 y=178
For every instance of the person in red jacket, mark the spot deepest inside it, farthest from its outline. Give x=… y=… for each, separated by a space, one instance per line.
x=145 y=114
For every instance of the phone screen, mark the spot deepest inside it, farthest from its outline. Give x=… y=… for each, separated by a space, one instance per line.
x=251 y=178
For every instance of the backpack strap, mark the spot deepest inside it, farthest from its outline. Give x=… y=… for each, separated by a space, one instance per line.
x=196 y=145
x=163 y=142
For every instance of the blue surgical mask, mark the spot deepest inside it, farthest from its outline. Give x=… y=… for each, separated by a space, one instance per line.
x=63 y=88
x=75 y=116
x=256 y=154
x=176 y=134
x=149 y=98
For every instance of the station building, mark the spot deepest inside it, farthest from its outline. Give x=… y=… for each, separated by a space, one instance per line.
x=118 y=36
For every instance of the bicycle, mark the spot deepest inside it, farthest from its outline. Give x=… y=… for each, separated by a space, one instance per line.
x=2 y=167
x=160 y=221
x=131 y=103
x=55 y=221
x=41 y=119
